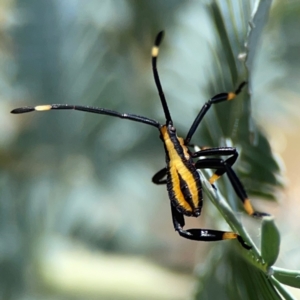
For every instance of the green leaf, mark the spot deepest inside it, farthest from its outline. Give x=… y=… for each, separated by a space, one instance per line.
x=270 y=241
x=257 y=24
x=257 y=166
x=288 y=277
x=282 y=290
x=226 y=275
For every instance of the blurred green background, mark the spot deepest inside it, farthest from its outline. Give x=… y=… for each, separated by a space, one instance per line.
x=80 y=218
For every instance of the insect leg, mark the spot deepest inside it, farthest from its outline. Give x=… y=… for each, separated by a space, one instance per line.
x=158 y=178
x=215 y=151
x=220 y=164
x=214 y=100
x=221 y=151
x=206 y=235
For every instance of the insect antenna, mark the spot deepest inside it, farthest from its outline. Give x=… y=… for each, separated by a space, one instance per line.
x=155 y=52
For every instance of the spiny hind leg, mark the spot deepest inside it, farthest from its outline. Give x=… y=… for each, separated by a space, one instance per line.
x=206 y=235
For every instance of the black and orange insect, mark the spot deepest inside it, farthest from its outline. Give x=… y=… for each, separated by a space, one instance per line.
x=180 y=173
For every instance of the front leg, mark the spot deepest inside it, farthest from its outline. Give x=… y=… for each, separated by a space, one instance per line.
x=206 y=235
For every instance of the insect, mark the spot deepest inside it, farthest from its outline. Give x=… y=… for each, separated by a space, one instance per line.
x=180 y=174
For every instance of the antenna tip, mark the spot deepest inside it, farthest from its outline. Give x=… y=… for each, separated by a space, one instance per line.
x=159 y=38
x=27 y=109
x=22 y=110
x=155 y=48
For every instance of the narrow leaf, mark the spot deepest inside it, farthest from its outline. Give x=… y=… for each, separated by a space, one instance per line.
x=270 y=241
x=257 y=24
x=288 y=277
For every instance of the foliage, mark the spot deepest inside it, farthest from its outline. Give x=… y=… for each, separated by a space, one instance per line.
x=253 y=278
x=86 y=178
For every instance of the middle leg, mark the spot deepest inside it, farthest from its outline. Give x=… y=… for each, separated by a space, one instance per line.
x=218 y=151
x=225 y=167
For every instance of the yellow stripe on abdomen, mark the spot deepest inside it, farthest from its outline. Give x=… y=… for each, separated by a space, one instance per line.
x=189 y=178
x=177 y=191
x=178 y=168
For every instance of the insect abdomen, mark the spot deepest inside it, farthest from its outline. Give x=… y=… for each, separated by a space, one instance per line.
x=183 y=182
x=184 y=190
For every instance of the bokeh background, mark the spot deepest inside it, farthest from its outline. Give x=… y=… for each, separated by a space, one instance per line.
x=80 y=218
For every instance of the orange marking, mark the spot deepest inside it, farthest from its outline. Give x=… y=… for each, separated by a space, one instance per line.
x=42 y=107
x=185 y=149
x=248 y=207
x=213 y=178
x=229 y=236
x=231 y=96
x=155 y=51
x=177 y=191
x=177 y=167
